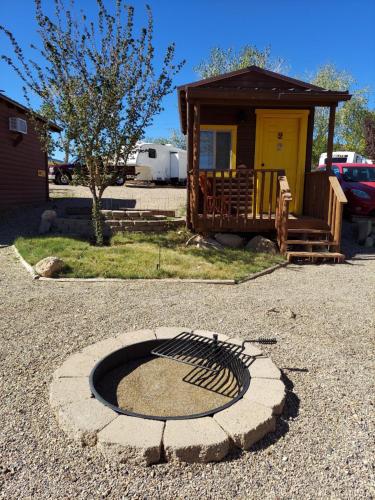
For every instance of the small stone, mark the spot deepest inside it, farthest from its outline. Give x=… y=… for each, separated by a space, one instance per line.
x=261 y=244
x=230 y=240
x=49 y=266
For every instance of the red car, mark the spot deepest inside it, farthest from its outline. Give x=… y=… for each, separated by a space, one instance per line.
x=358 y=183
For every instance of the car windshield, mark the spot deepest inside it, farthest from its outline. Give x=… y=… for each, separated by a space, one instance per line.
x=359 y=174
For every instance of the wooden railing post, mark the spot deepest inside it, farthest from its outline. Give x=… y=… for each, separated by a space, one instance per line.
x=189 y=180
x=196 y=155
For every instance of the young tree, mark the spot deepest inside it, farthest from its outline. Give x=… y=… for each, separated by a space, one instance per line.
x=225 y=60
x=350 y=115
x=176 y=138
x=98 y=82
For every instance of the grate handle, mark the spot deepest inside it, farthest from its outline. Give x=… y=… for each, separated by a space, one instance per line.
x=260 y=340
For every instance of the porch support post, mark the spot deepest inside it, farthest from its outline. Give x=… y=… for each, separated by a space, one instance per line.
x=190 y=146
x=196 y=155
x=331 y=133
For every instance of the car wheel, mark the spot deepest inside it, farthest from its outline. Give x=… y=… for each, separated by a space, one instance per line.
x=62 y=179
x=120 y=181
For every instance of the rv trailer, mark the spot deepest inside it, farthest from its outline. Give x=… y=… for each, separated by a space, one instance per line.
x=162 y=163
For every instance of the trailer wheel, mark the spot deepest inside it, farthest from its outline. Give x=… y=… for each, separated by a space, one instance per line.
x=62 y=179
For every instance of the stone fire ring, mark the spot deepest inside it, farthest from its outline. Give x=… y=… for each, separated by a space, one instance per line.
x=143 y=441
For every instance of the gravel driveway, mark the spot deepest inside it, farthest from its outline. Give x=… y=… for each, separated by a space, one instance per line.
x=324 y=443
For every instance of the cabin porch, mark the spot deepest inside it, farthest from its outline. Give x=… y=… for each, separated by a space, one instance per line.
x=255 y=201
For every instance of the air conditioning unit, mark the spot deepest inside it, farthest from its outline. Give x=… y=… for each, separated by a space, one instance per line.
x=17 y=125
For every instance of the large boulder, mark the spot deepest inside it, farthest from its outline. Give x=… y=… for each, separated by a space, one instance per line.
x=261 y=244
x=204 y=242
x=46 y=221
x=230 y=240
x=49 y=266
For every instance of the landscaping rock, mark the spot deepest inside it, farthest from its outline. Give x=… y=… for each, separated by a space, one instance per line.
x=46 y=220
x=131 y=439
x=69 y=390
x=49 y=266
x=364 y=230
x=204 y=242
x=261 y=244
x=369 y=241
x=195 y=440
x=230 y=240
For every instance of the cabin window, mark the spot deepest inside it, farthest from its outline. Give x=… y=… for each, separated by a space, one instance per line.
x=152 y=153
x=215 y=149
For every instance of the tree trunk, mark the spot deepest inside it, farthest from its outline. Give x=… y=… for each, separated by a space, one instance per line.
x=97 y=219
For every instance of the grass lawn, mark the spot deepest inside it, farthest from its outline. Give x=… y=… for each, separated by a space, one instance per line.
x=136 y=255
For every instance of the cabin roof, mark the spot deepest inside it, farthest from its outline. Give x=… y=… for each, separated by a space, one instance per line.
x=52 y=126
x=255 y=86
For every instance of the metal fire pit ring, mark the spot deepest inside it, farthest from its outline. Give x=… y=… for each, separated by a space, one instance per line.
x=143 y=350
x=144 y=441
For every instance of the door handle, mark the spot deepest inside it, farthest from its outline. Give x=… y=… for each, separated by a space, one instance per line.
x=262 y=165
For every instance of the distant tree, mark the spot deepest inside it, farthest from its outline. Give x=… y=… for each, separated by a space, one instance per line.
x=225 y=60
x=369 y=132
x=176 y=139
x=350 y=116
x=97 y=81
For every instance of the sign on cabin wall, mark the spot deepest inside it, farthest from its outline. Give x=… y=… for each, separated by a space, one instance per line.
x=41 y=173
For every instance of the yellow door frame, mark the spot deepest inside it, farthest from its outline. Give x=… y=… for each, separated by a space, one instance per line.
x=302 y=116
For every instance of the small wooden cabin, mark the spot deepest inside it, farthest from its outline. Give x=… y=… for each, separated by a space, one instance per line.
x=23 y=163
x=249 y=160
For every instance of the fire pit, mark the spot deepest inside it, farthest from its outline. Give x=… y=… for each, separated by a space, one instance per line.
x=171 y=394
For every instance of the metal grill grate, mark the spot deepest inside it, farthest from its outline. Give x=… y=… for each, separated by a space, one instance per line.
x=202 y=352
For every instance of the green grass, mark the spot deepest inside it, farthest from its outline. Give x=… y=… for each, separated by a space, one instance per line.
x=136 y=255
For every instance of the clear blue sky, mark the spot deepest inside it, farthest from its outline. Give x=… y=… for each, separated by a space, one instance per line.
x=306 y=34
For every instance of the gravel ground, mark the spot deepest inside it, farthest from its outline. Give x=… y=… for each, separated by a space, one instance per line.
x=324 y=443
x=157 y=197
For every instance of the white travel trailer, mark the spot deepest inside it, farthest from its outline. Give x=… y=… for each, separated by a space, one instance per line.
x=344 y=157
x=159 y=163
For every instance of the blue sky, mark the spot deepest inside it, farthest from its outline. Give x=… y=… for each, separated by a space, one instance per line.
x=306 y=34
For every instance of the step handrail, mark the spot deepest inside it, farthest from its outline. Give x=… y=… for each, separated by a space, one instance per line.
x=284 y=197
x=336 y=202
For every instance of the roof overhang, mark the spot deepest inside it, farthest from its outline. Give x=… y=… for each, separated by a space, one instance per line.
x=52 y=126
x=229 y=89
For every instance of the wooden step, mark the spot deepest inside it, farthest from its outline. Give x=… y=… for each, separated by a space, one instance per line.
x=311 y=242
x=315 y=255
x=309 y=230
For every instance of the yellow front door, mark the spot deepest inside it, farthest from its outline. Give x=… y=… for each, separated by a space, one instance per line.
x=281 y=144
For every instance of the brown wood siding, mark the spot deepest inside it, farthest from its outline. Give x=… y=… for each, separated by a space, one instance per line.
x=19 y=164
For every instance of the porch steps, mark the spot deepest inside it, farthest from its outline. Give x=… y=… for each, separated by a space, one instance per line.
x=307 y=243
x=312 y=256
x=312 y=242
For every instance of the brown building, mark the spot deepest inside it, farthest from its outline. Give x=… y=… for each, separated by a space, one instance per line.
x=249 y=160
x=23 y=164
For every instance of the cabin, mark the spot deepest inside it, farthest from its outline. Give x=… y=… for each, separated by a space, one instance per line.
x=249 y=160
x=23 y=163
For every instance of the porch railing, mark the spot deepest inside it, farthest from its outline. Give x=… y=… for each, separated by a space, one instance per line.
x=325 y=200
x=242 y=194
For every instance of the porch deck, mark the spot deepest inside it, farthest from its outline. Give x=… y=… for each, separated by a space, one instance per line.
x=247 y=200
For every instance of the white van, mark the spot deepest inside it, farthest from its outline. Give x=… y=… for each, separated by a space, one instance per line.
x=159 y=163
x=344 y=157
